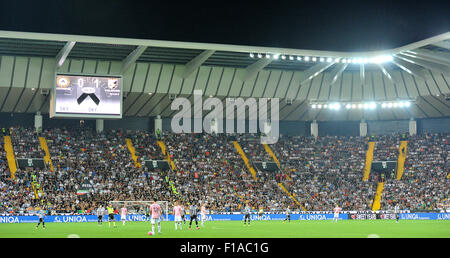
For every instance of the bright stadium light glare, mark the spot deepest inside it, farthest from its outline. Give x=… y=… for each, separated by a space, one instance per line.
x=407 y=104
x=372 y=105
x=313 y=106
x=319 y=106
x=306 y=58
x=283 y=57
x=344 y=60
x=395 y=104
x=276 y=56
x=325 y=106
x=389 y=105
x=401 y=104
x=322 y=59
x=314 y=59
x=267 y=56
x=383 y=105
x=291 y=58
x=360 y=106
x=348 y=106
x=329 y=59
x=299 y=58
x=252 y=55
x=365 y=60
x=336 y=60
x=353 y=106
x=366 y=105
x=259 y=56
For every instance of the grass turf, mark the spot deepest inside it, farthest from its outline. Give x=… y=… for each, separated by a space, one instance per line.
x=236 y=229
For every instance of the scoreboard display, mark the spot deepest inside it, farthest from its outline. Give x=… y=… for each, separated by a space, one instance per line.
x=85 y=96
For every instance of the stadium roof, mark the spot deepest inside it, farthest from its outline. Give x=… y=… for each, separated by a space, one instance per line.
x=156 y=71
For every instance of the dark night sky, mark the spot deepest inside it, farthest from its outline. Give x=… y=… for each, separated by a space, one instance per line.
x=321 y=25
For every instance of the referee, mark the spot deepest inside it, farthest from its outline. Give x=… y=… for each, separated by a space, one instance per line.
x=111 y=215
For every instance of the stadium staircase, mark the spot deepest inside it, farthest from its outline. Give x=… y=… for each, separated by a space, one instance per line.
x=47 y=158
x=377 y=200
x=401 y=159
x=10 y=155
x=274 y=157
x=163 y=147
x=290 y=195
x=245 y=159
x=369 y=158
x=133 y=152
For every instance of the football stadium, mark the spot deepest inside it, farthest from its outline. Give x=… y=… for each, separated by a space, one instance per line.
x=110 y=137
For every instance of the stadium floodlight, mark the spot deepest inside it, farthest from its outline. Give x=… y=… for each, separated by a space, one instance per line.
x=299 y=58
x=322 y=59
x=344 y=60
x=389 y=105
x=407 y=104
x=291 y=58
x=329 y=59
x=283 y=57
x=313 y=106
x=259 y=56
x=401 y=104
x=314 y=59
x=348 y=106
x=319 y=106
x=276 y=56
x=353 y=106
x=336 y=60
x=325 y=106
x=372 y=105
x=366 y=105
x=306 y=58
x=267 y=56
x=365 y=60
x=383 y=105
x=360 y=106
x=252 y=55
x=336 y=106
x=395 y=104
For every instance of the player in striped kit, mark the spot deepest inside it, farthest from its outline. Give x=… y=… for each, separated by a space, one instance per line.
x=123 y=214
x=155 y=210
x=100 y=213
x=336 y=210
x=193 y=212
x=396 y=212
x=177 y=214
x=288 y=215
x=41 y=214
x=247 y=212
x=203 y=213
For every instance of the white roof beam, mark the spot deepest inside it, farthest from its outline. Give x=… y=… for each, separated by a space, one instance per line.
x=337 y=71
x=435 y=57
x=386 y=73
x=315 y=70
x=362 y=74
x=132 y=58
x=433 y=66
x=442 y=44
x=254 y=68
x=412 y=69
x=196 y=62
x=63 y=53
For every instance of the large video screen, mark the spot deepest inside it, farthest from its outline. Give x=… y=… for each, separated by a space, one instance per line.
x=87 y=96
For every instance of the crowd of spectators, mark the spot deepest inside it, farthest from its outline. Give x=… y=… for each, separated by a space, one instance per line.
x=92 y=169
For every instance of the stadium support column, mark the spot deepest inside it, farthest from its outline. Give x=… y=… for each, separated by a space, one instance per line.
x=99 y=123
x=38 y=122
x=412 y=127
x=363 y=128
x=315 y=129
x=158 y=124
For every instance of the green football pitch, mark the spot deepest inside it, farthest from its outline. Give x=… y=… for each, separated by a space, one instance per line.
x=236 y=229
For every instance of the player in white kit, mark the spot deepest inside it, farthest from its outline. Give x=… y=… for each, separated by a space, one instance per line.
x=177 y=214
x=123 y=214
x=336 y=210
x=203 y=213
x=155 y=209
